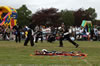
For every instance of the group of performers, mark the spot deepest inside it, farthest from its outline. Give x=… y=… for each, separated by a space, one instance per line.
x=63 y=34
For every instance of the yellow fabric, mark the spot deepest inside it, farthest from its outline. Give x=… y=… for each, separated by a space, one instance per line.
x=1 y=15
x=5 y=9
x=15 y=22
x=26 y=33
x=85 y=24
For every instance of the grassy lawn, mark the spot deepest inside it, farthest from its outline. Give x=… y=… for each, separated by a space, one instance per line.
x=15 y=54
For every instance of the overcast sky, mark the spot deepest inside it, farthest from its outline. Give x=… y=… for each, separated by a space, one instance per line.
x=34 y=5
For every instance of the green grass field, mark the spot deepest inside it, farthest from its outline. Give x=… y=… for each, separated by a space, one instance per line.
x=15 y=54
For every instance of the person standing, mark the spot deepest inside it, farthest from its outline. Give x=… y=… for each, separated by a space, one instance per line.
x=92 y=34
x=39 y=35
x=17 y=33
x=29 y=37
x=66 y=35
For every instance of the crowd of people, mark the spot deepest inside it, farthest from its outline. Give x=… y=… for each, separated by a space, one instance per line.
x=50 y=34
x=76 y=33
x=81 y=33
x=5 y=33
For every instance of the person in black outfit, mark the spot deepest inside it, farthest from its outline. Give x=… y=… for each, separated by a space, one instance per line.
x=17 y=33
x=51 y=38
x=66 y=35
x=38 y=35
x=29 y=38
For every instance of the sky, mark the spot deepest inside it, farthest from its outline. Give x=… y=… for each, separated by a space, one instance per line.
x=35 y=5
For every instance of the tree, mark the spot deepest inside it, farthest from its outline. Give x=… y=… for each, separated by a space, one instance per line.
x=81 y=14
x=90 y=14
x=67 y=17
x=24 y=15
x=47 y=17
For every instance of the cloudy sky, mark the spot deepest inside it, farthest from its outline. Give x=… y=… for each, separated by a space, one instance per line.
x=34 y=5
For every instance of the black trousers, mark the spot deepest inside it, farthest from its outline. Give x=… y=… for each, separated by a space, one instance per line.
x=18 y=38
x=68 y=38
x=31 y=39
x=91 y=36
x=51 y=38
x=37 y=37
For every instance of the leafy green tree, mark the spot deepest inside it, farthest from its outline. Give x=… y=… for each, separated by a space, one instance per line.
x=81 y=14
x=67 y=17
x=90 y=14
x=24 y=15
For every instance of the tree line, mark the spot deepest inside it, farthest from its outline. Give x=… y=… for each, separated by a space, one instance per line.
x=54 y=17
